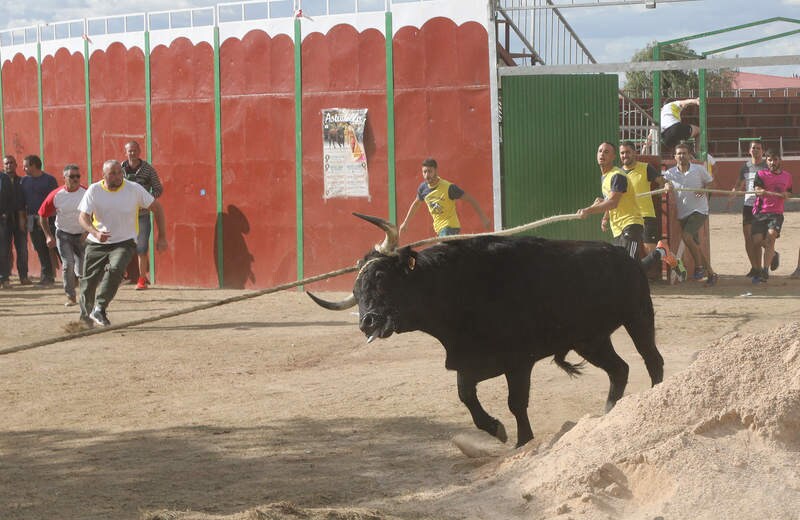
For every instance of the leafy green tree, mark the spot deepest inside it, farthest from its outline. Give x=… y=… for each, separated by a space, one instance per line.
x=674 y=83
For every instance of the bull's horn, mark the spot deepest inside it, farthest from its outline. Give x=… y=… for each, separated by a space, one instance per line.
x=348 y=302
x=390 y=242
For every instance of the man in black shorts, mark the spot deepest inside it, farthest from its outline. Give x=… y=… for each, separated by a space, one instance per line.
x=747 y=175
x=673 y=130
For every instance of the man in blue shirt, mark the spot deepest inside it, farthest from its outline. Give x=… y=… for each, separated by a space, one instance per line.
x=36 y=186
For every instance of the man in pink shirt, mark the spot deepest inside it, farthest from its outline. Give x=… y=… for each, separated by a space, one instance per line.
x=69 y=237
x=772 y=186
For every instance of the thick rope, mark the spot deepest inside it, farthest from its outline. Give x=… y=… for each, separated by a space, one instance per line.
x=709 y=190
x=274 y=289
x=502 y=233
x=172 y=314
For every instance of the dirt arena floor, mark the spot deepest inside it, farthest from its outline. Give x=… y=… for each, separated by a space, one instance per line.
x=274 y=400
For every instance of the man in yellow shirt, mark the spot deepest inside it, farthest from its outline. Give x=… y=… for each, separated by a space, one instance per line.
x=440 y=197
x=641 y=176
x=624 y=215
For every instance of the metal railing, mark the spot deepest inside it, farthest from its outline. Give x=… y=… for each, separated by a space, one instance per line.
x=192 y=17
x=542 y=33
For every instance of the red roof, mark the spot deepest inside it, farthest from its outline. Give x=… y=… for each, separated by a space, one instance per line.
x=748 y=80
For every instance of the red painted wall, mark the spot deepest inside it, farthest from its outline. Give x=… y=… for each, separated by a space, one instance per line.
x=182 y=94
x=726 y=174
x=442 y=108
x=116 y=92
x=258 y=168
x=20 y=108
x=64 y=101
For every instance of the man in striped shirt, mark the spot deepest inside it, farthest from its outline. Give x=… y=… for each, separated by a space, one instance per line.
x=141 y=172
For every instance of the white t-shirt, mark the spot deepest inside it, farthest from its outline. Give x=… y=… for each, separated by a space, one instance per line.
x=115 y=212
x=670 y=115
x=687 y=202
x=64 y=205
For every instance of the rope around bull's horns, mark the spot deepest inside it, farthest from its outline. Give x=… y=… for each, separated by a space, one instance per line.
x=331 y=274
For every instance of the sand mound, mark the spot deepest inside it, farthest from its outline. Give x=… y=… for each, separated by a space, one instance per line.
x=718 y=440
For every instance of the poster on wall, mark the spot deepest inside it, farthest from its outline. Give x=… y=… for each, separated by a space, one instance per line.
x=344 y=159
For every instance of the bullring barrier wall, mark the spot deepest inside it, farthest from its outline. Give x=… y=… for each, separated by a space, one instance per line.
x=236 y=134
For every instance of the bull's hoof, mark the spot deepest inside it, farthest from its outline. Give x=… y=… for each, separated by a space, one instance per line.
x=523 y=442
x=500 y=431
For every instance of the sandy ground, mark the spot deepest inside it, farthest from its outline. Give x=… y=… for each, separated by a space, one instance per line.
x=273 y=400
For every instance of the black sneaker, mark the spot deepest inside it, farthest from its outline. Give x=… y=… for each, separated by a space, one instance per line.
x=45 y=282
x=764 y=275
x=753 y=272
x=776 y=262
x=98 y=316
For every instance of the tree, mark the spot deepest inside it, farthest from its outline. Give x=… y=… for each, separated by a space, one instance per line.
x=674 y=83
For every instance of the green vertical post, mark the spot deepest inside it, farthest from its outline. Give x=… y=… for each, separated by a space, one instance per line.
x=88 y=104
x=390 y=143
x=148 y=139
x=702 y=144
x=41 y=104
x=298 y=142
x=218 y=157
x=657 y=89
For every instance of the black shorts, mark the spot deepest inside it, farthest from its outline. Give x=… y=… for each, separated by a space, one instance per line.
x=630 y=239
x=766 y=221
x=693 y=223
x=747 y=215
x=652 y=230
x=675 y=134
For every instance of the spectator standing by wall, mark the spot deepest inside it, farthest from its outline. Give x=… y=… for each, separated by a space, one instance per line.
x=17 y=223
x=36 y=186
x=142 y=173
x=7 y=207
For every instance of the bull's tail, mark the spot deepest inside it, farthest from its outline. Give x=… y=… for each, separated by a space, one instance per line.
x=572 y=369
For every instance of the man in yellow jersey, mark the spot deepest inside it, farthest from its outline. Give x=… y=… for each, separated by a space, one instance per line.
x=624 y=216
x=642 y=176
x=440 y=196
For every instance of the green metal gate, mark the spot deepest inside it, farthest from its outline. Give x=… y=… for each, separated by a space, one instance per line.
x=552 y=126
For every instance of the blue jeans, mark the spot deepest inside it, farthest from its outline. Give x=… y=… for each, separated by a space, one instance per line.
x=449 y=231
x=70 y=248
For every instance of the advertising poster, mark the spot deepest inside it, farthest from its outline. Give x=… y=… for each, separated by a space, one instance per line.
x=344 y=159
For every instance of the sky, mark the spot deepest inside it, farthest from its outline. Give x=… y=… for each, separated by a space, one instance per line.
x=611 y=33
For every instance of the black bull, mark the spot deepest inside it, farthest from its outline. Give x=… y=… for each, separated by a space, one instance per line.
x=498 y=305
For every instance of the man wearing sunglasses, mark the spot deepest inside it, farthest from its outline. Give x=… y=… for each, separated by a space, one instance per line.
x=69 y=236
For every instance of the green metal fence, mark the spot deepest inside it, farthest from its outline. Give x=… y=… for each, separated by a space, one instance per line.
x=552 y=126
